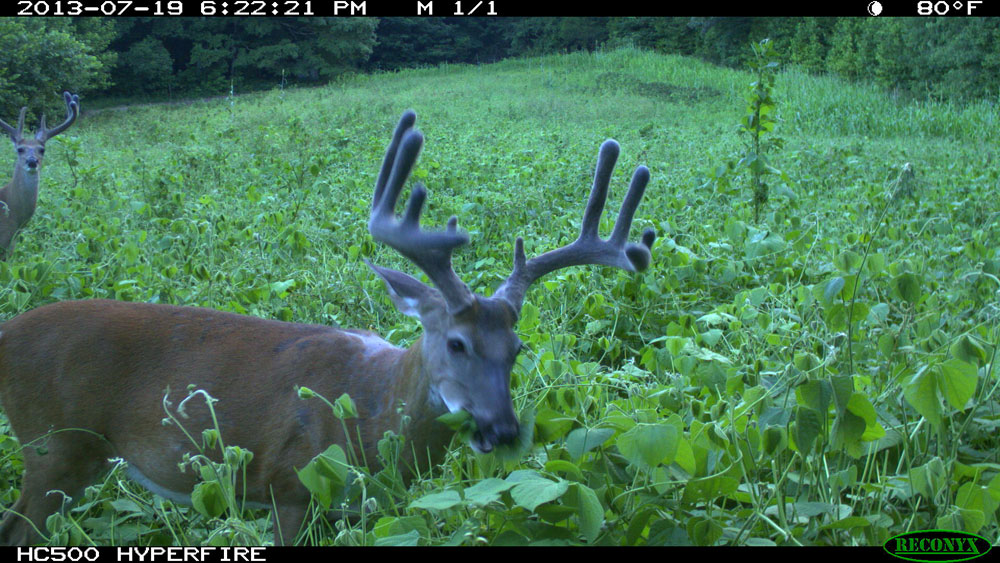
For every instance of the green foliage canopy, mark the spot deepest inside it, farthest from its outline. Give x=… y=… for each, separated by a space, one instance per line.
x=44 y=56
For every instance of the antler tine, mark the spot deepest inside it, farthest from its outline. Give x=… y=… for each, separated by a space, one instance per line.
x=405 y=124
x=606 y=159
x=429 y=251
x=15 y=134
x=588 y=248
x=72 y=112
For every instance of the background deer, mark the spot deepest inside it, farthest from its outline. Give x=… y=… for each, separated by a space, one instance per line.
x=20 y=195
x=102 y=367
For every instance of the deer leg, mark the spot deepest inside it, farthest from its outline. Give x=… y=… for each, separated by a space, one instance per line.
x=288 y=520
x=51 y=479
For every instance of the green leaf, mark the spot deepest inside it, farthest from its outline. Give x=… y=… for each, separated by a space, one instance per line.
x=648 y=445
x=711 y=337
x=815 y=394
x=860 y=406
x=127 y=506
x=343 y=407
x=437 y=501
x=332 y=464
x=531 y=489
x=409 y=539
x=921 y=392
x=907 y=287
x=566 y=467
x=703 y=531
x=843 y=389
x=675 y=344
x=886 y=344
x=709 y=488
x=637 y=525
x=805 y=361
x=762 y=243
x=976 y=498
x=208 y=499
x=582 y=440
x=875 y=264
x=774 y=439
x=836 y=317
x=968 y=350
x=685 y=457
x=808 y=424
x=455 y=420
x=963 y=519
x=848 y=430
x=879 y=312
x=832 y=289
x=281 y=288
x=396 y=526
x=929 y=479
x=552 y=425
x=486 y=491
x=320 y=487
x=858 y=311
x=847 y=261
x=957 y=382
x=325 y=476
x=589 y=511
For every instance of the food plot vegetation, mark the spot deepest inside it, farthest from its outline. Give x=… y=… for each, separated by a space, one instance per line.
x=820 y=374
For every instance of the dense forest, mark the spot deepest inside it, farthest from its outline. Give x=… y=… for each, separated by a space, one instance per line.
x=164 y=58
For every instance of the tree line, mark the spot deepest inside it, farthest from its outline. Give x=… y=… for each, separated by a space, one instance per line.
x=957 y=58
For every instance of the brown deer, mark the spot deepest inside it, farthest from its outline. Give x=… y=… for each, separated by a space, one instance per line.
x=86 y=379
x=19 y=197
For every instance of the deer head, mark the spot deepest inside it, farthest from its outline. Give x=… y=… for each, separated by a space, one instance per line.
x=20 y=195
x=470 y=339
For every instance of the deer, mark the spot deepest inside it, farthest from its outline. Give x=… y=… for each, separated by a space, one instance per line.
x=86 y=379
x=20 y=196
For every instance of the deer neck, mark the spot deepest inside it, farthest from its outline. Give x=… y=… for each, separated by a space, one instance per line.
x=422 y=406
x=21 y=194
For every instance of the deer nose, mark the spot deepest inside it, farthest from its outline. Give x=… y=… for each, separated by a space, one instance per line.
x=501 y=428
x=502 y=432
x=31 y=162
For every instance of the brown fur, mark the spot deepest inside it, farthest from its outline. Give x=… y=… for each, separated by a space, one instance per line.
x=105 y=366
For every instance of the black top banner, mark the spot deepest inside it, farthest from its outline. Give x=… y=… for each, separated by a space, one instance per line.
x=494 y=8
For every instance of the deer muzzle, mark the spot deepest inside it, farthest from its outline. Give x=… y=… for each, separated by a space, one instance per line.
x=496 y=422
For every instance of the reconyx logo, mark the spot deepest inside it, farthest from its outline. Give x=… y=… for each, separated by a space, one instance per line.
x=937 y=546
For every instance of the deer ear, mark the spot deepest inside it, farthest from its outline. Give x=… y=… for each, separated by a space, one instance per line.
x=411 y=296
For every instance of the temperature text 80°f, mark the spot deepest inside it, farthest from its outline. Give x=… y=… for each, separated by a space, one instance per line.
x=947 y=7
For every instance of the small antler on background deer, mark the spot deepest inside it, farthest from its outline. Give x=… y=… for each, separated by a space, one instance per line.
x=19 y=197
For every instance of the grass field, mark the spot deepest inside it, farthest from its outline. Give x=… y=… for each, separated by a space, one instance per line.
x=821 y=376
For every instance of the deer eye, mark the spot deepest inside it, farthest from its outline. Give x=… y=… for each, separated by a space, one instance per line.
x=456 y=346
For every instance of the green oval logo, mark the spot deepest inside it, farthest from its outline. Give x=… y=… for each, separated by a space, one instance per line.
x=937 y=546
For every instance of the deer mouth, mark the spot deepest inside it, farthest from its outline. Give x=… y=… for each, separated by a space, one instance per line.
x=489 y=435
x=480 y=444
